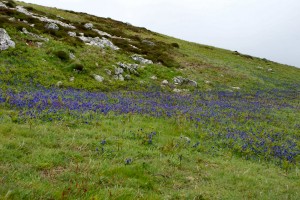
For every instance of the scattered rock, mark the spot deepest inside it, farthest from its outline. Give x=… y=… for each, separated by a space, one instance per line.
x=153 y=77
x=2 y=5
x=12 y=19
x=180 y=90
x=102 y=33
x=179 y=80
x=165 y=82
x=52 y=26
x=119 y=71
x=39 y=44
x=119 y=77
x=81 y=34
x=98 y=78
x=141 y=60
x=131 y=68
x=21 y=9
x=5 y=40
x=236 y=88
x=59 y=84
x=150 y=43
x=127 y=77
x=270 y=70
x=259 y=67
x=108 y=72
x=102 y=43
x=72 y=34
x=24 y=30
x=72 y=79
x=89 y=26
x=208 y=82
x=72 y=56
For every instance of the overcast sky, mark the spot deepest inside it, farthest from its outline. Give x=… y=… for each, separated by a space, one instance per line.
x=264 y=28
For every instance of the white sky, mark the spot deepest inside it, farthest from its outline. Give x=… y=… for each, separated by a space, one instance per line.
x=264 y=28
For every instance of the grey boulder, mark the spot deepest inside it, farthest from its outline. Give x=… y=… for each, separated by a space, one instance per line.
x=5 y=40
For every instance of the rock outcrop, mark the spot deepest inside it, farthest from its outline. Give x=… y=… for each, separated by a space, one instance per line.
x=179 y=80
x=24 y=30
x=5 y=40
x=98 y=78
x=141 y=60
x=52 y=26
x=21 y=9
x=102 y=43
x=89 y=26
x=131 y=68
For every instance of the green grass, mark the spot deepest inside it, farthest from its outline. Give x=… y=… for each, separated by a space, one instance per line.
x=59 y=160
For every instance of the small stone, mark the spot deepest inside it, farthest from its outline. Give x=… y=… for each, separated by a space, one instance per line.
x=72 y=34
x=52 y=26
x=98 y=78
x=127 y=77
x=72 y=56
x=59 y=84
x=208 y=82
x=270 y=70
x=165 y=82
x=119 y=71
x=72 y=79
x=5 y=40
x=153 y=77
x=2 y=5
x=236 y=88
x=81 y=34
x=108 y=72
x=39 y=44
x=177 y=90
x=89 y=26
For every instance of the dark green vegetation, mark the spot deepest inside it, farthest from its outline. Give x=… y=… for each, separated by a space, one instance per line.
x=234 y=136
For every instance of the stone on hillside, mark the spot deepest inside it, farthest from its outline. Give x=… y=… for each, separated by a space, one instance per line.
x=141 y=60
x=208 y=82
x=236 y=88
x=270 y=70
x=12 y=19
x=72 y=56
x=24 y=30
x=5 y=40
x=102 y=43
x=108 y=72
x=119 y=77
x=153 y=77
x=72 y=79
x=89 y=26
x=150 y=43
x=102 y=33
x=39 y=44
x=52 y=26
x=119 y=71
x=72 y=34
x=21 y=9
x=165 y=82
x=131 y=68
x=81 y=34
x=2 y=5
x=98 y=78
x=179 y=80
x=59 y=84
x=127 y=77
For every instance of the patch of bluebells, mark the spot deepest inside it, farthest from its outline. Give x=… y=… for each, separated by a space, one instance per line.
x=52 y=104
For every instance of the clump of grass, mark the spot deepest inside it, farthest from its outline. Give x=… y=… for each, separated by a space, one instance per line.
x=11 y=4
x=64 y=56
x=175 y=45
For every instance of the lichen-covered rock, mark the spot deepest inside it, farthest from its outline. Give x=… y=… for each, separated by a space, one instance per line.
x=165 y=82
x=119 y=71
x=98 y=78
x=119 y=77
x=102 y=43
x=24 y=30
x=89 y=26
x=108 y=72
x=72 y=34
x=21 y=9
x=52 y=26
x=131 y=68
x=141 y=60
x=179 y=80
x=72 y=56
x=2 y=5
x=5 y=40
x=127 y=77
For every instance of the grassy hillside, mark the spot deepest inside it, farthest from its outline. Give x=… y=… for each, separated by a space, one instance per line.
x=188 y=121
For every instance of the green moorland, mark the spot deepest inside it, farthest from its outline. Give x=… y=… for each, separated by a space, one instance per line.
x=236 y=135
